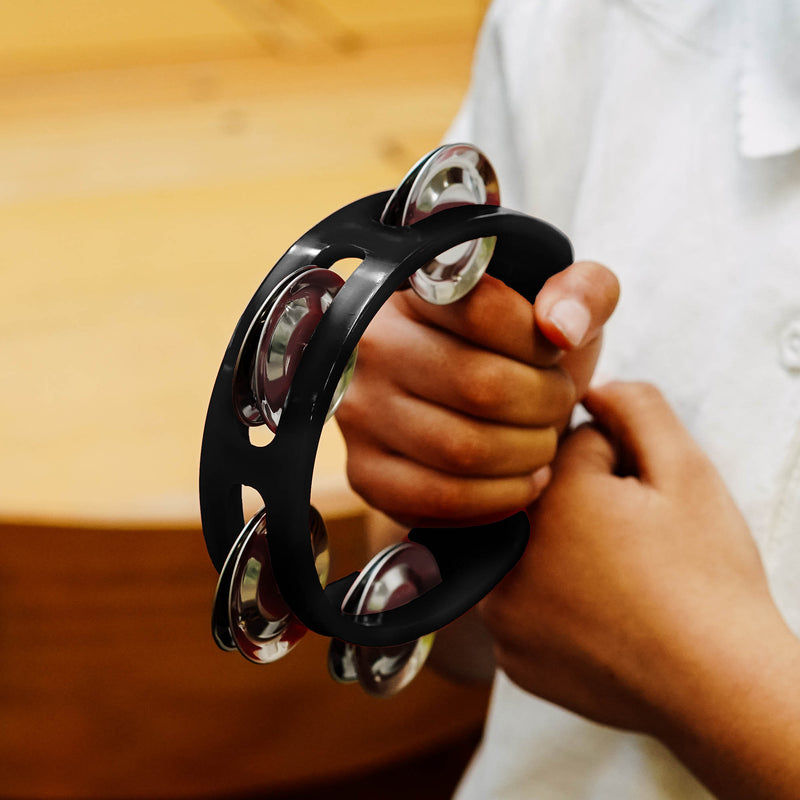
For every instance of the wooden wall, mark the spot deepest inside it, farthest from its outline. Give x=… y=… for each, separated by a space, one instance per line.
x=156 y=159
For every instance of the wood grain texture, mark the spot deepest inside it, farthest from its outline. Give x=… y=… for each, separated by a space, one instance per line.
x=155 y=160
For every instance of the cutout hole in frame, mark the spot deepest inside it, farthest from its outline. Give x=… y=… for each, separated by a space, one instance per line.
x=345 y=267
x=252 y=501
x=259 y=436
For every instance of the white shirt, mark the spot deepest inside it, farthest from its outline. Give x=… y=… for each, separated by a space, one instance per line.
x=662 y=137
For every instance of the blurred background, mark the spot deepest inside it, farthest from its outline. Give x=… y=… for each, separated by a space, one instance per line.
x=156 y=158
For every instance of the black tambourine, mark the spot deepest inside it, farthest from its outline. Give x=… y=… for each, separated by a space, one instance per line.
x=287 y=366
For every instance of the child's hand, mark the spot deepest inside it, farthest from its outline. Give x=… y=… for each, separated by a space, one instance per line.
x=641 y=601
x=454 y=412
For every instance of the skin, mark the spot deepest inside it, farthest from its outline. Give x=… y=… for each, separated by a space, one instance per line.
x=470 y=414
x=642 y=603
x=470 y=411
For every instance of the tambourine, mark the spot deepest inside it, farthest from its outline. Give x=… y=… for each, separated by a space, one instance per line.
x=287 y=366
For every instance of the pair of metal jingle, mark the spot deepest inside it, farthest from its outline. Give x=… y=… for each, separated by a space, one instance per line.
x=249 y=614
x=451 y=175
x=275 y=341
x=394 y=577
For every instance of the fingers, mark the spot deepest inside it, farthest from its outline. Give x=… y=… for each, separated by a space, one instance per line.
x=647 y=429
x=449 y=441
x=448 y=371
x=574 y=304
x=414 y=494
x=494 y=317
x=440 y=428
x=585 y=450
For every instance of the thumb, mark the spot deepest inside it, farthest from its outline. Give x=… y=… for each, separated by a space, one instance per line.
x=585 y=450
x=574 y=304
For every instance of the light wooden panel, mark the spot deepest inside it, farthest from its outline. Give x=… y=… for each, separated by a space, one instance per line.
x=141 y=204
x=68 y=35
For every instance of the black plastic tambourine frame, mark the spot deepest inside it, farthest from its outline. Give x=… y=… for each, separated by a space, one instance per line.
x=471 y=560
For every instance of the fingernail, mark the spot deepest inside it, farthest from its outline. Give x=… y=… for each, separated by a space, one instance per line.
x=572 y=319
x=541 y=478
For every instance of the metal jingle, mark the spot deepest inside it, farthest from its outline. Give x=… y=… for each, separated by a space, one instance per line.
x=384 y=671
x=341 y=661
x=275 y=340
x=290 y=322
x=341 y=654
x=263 y=627
x=244 y=401
x=397 y=575
x=451 y=175
x=220 y=618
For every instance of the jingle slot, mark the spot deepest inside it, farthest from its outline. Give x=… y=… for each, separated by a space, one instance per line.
x=287 y=328
x=453 y=175
x=244 y=400
x=345 y=267
x=396 y=576
x=454 y=273
x=262 y=626
x=259 y=435
x=220 y=617
x=252 y=502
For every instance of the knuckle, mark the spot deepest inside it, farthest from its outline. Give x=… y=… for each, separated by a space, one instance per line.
x=356 y=475
x=480 y=308
x=370 y=347
x=566 y=393
x=481 y=387
x=352 y=411
x=361 y=477
x=555 y=398
x=387 y=327
x=444 y=499
x=640 y=395
x=465 y=453
x=346 y=413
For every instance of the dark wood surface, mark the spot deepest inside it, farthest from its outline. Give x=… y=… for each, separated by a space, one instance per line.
x=111 y=687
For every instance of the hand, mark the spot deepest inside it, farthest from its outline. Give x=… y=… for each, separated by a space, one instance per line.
x=641 y=601
x=454 y=411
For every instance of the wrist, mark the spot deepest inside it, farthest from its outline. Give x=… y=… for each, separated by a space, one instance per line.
x=732 y=712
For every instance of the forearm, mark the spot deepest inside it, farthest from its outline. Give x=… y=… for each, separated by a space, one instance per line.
x=463 y=650
x=736 y=718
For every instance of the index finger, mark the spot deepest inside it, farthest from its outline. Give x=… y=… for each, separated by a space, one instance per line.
x=492 y=316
